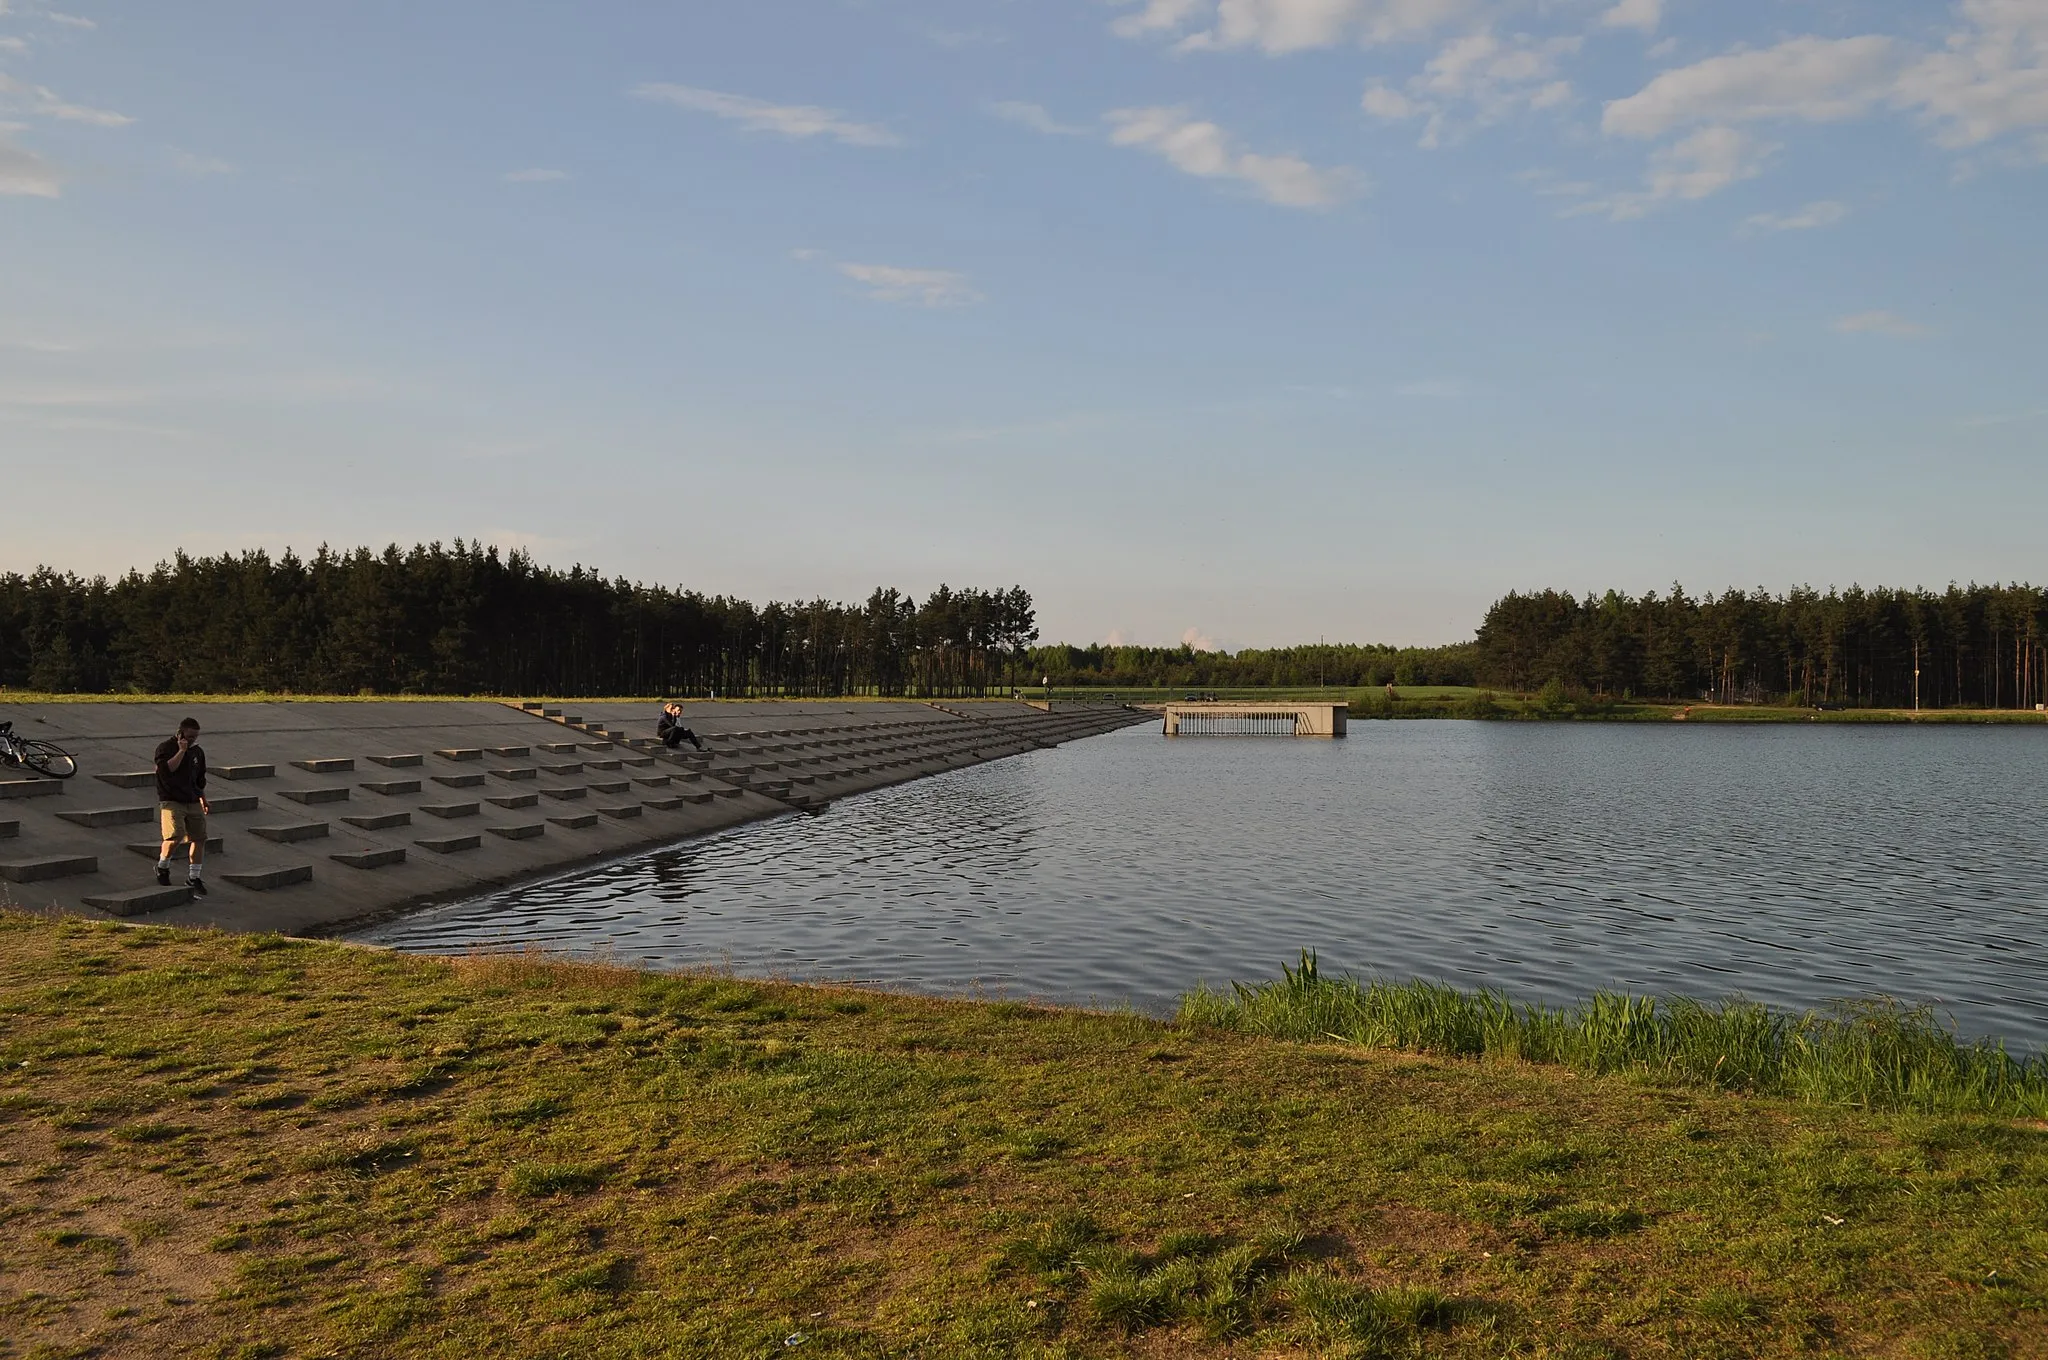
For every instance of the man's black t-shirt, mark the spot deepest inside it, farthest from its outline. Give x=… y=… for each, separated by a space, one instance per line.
x=187 y=783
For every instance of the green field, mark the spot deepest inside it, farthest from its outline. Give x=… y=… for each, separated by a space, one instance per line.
x=256 y=1146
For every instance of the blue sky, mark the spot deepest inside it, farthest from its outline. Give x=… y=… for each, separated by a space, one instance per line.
x=1244 y=321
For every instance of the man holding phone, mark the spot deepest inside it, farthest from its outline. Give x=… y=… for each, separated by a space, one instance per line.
x=181 y=804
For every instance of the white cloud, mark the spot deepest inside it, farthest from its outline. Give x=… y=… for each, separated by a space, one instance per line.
x=535 y=175
x=1816 y=79
x=70 y=20
x=758 y=115
x=921 y=287
x=1692 y=168
x=1991 y=80
x=42 y=101
x=1203 y=149
x=1825 y=213
x=1493 y=77
x=1035 y=117
x=1642 y=15
x=1881 y=323
x=1279 y=26
x=14 y=45
x=1196 y=640
x=25 y=174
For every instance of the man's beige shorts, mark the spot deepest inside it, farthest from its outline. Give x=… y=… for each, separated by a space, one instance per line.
x=181 y=822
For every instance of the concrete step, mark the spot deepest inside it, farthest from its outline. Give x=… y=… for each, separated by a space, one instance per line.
x=597 y=746
x=459 y=781
x=406 y=761
x=515 y=800
x=30 y=788
x=608 y=766
x=728 y=792
x=326 y=765
x=677 y=801
x=392 y=788
x=565 y=793
x=451 y=810
x=234 y=802
x=315 y=796
x=461 y=753
x=450 y=845
x=525 y=831
x=581 y=821
x=370 y=859
x=556 y=748
x=516 y=775
x=56 y=866
x=624 y=811
x=533 y=708
x=560 y=771
x=244 y=771
x=653 y=781
x=97 y=817
x=291 y=835
x=128 y=779
x=637 y=762
x=141 y=900
x=151 y=849
x=382 y=821
x=610 y=786
x=263 y=880
x=509 y=752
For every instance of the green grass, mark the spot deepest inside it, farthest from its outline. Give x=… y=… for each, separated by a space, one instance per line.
x=1873 y=1054
x=331 y=1150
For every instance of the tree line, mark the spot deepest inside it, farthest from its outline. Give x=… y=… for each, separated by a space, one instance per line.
x=1968 y=646
x=1345 y=665
x=466 y=619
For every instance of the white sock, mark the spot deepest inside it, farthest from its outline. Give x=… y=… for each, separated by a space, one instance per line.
x=164 y=863
x=192 y=872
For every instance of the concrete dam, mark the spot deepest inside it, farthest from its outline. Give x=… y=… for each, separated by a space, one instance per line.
x=330 y=813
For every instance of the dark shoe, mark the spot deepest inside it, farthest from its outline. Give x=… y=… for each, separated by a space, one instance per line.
x=197 y=885
x=163 y=876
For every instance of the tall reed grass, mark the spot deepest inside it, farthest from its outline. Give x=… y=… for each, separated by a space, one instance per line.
x=1876 y=1054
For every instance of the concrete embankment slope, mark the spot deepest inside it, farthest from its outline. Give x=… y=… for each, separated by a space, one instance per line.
x=325 y=813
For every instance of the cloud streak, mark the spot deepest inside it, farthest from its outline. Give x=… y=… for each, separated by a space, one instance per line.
x=796 y=121
x=916 y=287
x=24 y=174
x=1881 y=323
x=1203 y=149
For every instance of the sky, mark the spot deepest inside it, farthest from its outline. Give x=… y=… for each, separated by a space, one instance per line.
x=1240 y=322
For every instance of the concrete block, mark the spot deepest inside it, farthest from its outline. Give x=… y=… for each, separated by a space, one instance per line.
x=532 y=708
x=551 y=712
x=514 y=800
x=448 y=810
x=9 y=830
x=30 y=788
x=606 y=765
x=311 y=796
x=382 y=821
x=561 y=769
x=451 y=845
x=462 y=753
x=515 y=776
x=328 y=765
x=637 y=762
x=597 y=745
x=565 y=793
x=582 y=821
x=97 y=817
x=291 y=835
x=370 y=859
x=728 y=792
x=263 y=880
x=140 y=901
x=459 y=781
x=610 y=786
x=624 y=811
x=129 y=779
x=556 y=748
x=567 y=719
x=525 y=831
x=238 y=802
x=654 y=781
x=244 y=771
x=676 y=801
x=151 y=849
x=56 y=866
x=509 y=752
x=407 y=761
x=391 y=788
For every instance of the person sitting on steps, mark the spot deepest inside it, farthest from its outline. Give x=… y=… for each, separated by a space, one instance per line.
x=671 y=730
x=181 y=804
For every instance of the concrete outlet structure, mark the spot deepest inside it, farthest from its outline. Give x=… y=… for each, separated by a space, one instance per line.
x=327 y=814
x=1310 y=720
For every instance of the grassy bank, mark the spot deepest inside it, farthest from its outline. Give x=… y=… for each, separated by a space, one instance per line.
x=253 y=1146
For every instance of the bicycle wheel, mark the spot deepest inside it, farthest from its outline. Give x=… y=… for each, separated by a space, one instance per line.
x=53 y=761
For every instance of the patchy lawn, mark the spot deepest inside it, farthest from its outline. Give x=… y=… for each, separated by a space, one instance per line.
x=246 y=1146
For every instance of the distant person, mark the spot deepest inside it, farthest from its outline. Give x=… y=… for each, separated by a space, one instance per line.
x=181 y=805
x=671 y=730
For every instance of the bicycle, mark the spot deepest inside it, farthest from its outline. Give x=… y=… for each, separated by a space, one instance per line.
x=39 y=756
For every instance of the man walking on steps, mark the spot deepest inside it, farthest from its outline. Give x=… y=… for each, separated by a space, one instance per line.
x=181 y=804
x=671 y=730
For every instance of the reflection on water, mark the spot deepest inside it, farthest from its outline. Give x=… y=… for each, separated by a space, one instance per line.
x=1791 y=865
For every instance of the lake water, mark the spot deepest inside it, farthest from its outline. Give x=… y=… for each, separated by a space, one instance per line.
x=1791 y=865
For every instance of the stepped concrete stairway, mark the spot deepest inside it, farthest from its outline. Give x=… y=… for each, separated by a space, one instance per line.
x=326 y=814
